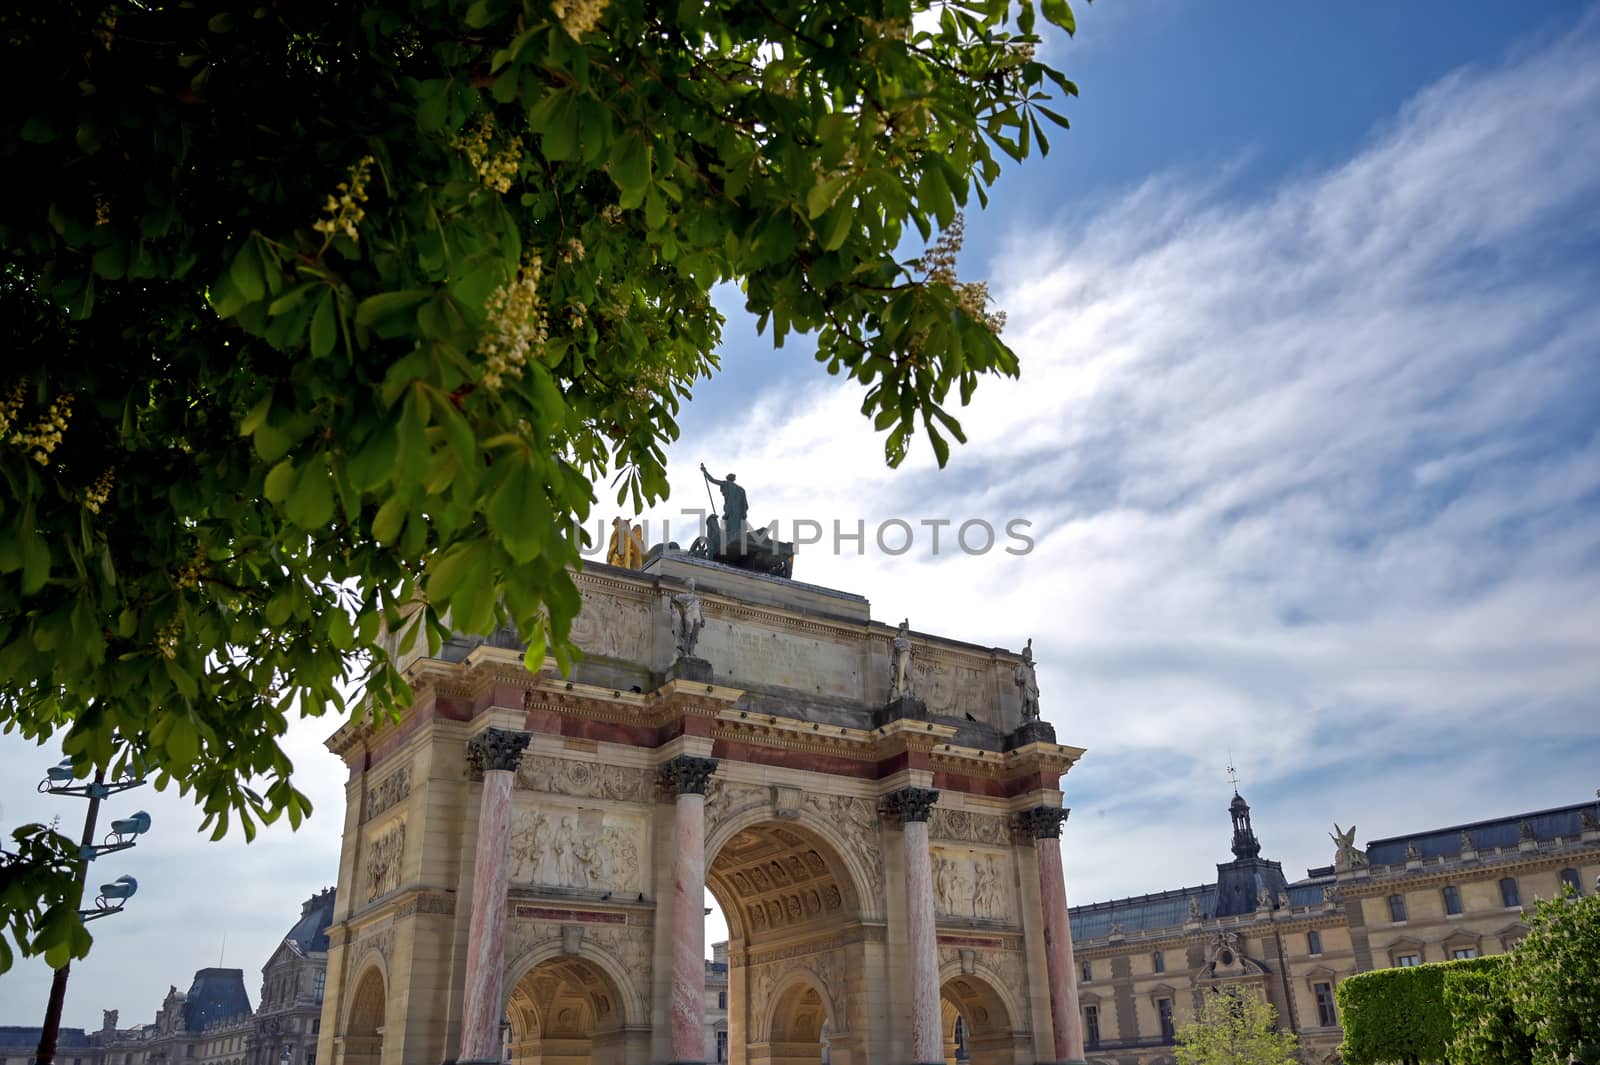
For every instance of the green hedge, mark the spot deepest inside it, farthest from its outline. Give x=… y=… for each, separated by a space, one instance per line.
x=1395 y=1015
x=1477 y=998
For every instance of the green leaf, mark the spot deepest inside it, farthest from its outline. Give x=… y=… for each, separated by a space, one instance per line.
x=630 y=168
x=339 y=630
x=183 y=742
x=391 y=517
x=324 y=326
x=181 y=680
x=35 y=563
x=245 y=273
x=1059 y=13
x=517 y=512
x=375 y=309
x=280 y=482
x=822 y=194
x=310 y=504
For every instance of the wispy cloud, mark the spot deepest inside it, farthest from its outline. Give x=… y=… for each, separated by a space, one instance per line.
x=1315 y=475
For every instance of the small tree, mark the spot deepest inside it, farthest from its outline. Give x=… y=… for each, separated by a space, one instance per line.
x=1555 y=984
x=1234 y=1029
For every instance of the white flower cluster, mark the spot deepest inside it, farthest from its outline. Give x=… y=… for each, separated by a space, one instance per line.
x=97 y=494
x=42 y=437
x=938 y=264
x=578 y=17
x=496 y=169
x=516 y=326
x=344 y=210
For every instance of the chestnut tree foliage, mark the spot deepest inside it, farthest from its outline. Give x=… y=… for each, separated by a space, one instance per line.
x=313 y=312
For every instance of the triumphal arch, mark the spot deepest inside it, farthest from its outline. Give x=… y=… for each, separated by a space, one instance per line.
x=876 y=810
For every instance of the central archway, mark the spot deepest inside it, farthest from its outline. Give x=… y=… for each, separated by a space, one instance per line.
x=787 y=896
x=369 y=1006
x=565 y=1011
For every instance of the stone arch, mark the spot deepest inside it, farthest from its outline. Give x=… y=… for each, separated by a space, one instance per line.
x=976 y=998
x=864 y=884
x=567 y=1007
x=367 y=1015
x=799 y=1010
x=631 y=1005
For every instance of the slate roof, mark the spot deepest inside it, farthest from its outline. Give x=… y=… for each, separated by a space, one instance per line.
x=310 y=933
x=15 y=1036
x=216 y=995
x=1164 y=909
x=1564 y=821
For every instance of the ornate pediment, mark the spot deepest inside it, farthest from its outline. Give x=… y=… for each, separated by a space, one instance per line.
x=1226 y=960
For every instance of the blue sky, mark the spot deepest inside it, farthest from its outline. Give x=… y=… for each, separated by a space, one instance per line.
x=1308 y=305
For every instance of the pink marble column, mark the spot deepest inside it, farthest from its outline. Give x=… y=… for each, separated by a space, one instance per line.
x=495 y=753
x=688 y=776
x=1045 y=824
x=912 y=806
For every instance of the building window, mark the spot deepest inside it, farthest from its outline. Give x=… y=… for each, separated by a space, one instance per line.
x=1091 y=1027
x=1314 y=942
x=1397 y=908
x=1569 y=877
x=722 y=1046
x=1159 y=961
x=317 y=983
x=1406 y=961
x=1452 y=899
x=1088 y=972
x=1462 y=953
x=1509 y=895
x=1327 y=1016
x=1164 y=1011
x=722 y=1000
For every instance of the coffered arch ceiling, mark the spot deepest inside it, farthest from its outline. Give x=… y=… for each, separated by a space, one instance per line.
x=774 y=879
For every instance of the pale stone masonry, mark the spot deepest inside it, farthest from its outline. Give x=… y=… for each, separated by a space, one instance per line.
x=763 y=769
x=1142 y=961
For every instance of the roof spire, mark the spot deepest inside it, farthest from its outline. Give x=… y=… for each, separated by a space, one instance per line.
x=1245 y=844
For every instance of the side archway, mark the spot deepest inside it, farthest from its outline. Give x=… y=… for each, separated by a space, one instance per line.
x=977 y=1019
x=798 y=1019
x=564 y=1009
x=362 y=1042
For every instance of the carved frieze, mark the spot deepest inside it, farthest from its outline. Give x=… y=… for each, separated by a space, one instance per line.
x=386 y=793
x=966 y=826
x=587 y=780
x=384 y=856
x=580 y=849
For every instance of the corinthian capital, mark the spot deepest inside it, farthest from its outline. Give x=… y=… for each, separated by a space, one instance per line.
x=1043 y=822
x=497 y=749
x=688 y=775
x=910 y=804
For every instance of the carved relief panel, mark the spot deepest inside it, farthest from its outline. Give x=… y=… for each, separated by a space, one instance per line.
x=384 y=855
x=973 y=883
x=570 y=847
x=613 y=626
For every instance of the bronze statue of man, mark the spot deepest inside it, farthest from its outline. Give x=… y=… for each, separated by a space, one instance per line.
x=735 y=508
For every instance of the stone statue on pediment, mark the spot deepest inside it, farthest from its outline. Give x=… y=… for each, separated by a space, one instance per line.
x=688 y=619
x=900 y=661
x=1027 y=683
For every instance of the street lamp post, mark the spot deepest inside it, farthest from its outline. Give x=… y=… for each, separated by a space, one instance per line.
x=60 y=781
